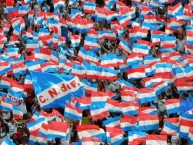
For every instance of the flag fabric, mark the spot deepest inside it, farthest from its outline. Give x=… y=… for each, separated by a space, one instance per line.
x=156 y=139
x=172 y=105
x=7 y=141
x=147 y=122
x=58 y=130
x=55 y=95
x=73 y=112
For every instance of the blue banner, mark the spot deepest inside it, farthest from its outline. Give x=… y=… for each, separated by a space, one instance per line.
x=54 y=91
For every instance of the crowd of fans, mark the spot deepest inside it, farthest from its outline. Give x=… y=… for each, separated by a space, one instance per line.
x=17 y=129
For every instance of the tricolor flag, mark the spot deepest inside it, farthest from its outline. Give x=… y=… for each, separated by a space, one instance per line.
x=73 y=112
x=112 y=122
x=146 y=95
x=125 y=46
x=83 y=103
x=89 y=7
x=58 y=130
x=116 y=135
x=90 y=141
x=140 y=49
x=106 y=34
x=58 y=90
x=172 y=106
x=128 y=123
x=17 y=112
x=129 y=108
x=113 y=106
x=6 y=106
x=98 y=112
x=156 y=139
x=170 y=129
x=90 y=131
x=148 y=110
x=35 y=137
x=89 y=86
x=36 y=124
x=134 y=135
x=148 y=122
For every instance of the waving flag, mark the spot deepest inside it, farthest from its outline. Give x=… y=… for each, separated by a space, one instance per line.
x=156 y=139
x=58 y=90
x=106 y=34
x=90 y=42
x=89 y=86
x=112 y=122
x=172 y=105
x=78 y=70
x=116 y=135
x=125 y=46
x=190 y=136
x=170 y=129
x=148 y=122
x=89 y=7
x=90 y=131
x=134 y=135
x=36 y=124
x=128 y=96
x=140 y=49
x=148 y=110
x=7 y=141
x=73 y=112
x=90 y=141
x=58 y=130
x=128 y=123
x=136 y=73
x=146 y=95
x=129 y=108
x=35 y=137
x=98 y=112
x=5 y=67
x=113 y=106
x=6 y=106
x=17 y=112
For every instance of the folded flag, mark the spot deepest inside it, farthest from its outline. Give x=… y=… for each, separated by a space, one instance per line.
x=58 y=90
x=72 y=112
x=172 y=106
x=156 y=139
x=148 y=122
